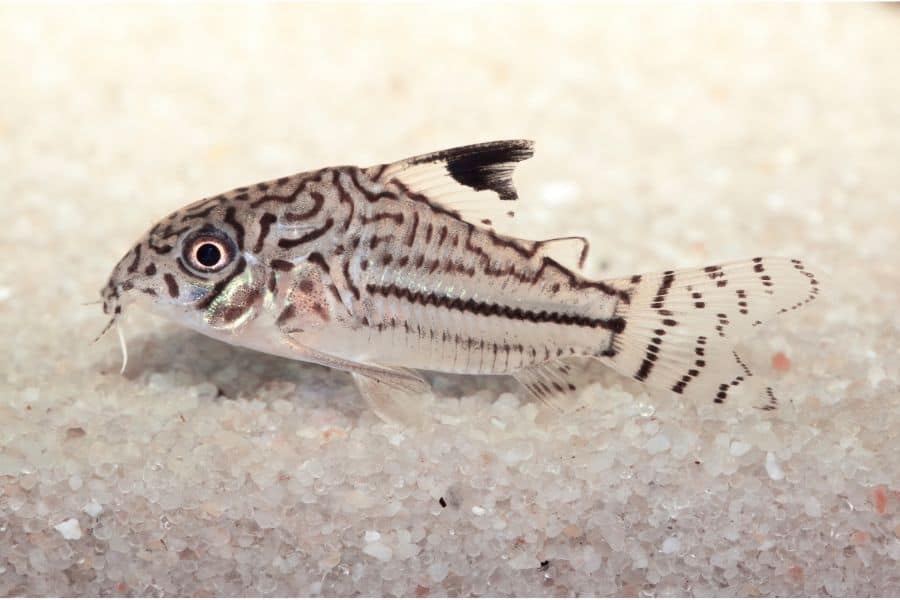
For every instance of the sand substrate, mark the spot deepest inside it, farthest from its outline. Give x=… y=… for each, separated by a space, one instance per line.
x=671 y=136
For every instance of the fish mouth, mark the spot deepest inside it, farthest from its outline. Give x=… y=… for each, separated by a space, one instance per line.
x=110 y=295
x=115 y=295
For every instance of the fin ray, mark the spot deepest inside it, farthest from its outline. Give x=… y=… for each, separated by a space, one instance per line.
x=570 y=250
x=466 y=181
x=396 y=396
x=554 y=383
x=682 y=326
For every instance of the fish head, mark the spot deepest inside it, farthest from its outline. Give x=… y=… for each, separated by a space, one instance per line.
x=192 y=268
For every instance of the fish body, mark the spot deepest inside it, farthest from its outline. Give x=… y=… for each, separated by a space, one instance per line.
x=385 y=270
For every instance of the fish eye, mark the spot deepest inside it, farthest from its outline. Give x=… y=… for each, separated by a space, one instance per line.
x=208 y=252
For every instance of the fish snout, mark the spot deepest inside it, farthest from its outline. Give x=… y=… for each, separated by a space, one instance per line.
x=110 y=296
x=123 y=278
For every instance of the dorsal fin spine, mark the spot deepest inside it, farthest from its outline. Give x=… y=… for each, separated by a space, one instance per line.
x=478 y=167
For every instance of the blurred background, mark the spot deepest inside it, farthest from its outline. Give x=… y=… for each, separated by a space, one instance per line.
x=647 y=118
x=668 y=135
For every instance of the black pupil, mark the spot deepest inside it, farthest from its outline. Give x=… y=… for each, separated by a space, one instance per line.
x=209 y=255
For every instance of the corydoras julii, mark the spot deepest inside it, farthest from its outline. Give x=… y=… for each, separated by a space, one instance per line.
x=385 y=270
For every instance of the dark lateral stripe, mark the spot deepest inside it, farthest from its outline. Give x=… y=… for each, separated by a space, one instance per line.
x=238 y=228
x=318 y=201
x=171 y=284
x=312 y=235
x=208 y=299
x=137 y=257
x=265 y=223
x=486 y=309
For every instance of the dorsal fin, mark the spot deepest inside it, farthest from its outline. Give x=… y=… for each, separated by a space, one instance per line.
x=466 y=180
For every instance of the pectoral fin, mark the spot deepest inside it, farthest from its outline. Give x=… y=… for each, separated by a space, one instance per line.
x=396 y=395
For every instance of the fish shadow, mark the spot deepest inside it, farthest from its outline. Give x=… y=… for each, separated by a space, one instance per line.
x=180 y=357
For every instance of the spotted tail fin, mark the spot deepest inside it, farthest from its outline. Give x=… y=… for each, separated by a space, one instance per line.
x=681 y=326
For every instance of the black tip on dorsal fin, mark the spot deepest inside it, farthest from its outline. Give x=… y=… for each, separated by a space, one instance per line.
x=486 y=166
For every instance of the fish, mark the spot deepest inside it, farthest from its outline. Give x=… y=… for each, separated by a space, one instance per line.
x=397 y=268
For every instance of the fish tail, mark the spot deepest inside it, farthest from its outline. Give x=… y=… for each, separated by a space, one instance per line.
x=680 y=327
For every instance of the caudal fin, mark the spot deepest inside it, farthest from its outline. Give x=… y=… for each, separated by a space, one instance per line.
x=681 y=326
